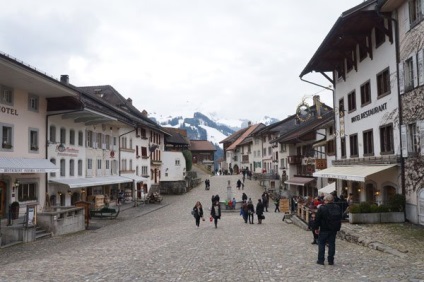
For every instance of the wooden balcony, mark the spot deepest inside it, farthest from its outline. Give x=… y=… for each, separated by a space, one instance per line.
x=294 y=159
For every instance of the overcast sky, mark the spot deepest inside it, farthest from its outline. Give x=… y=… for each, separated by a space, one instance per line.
x=235 y=58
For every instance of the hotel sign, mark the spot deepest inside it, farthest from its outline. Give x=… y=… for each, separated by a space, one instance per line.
x=10 y=111
x=370 y=112
x=67 y=151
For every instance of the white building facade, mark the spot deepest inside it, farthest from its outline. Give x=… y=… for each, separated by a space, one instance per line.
x=366 y=104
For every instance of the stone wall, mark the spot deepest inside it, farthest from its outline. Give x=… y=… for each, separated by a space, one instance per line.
x=173 y=187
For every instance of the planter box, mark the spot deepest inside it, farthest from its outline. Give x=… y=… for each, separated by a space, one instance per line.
x=392 y=217
x=374 y=218
x=368 y=218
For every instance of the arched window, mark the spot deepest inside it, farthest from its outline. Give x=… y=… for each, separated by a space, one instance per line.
x=80 y=138
x=62 y=167
x=79 y=167
x=52 y=135
x=63 y=135
x=71 y=168
x=370 y=193
x=72 y=137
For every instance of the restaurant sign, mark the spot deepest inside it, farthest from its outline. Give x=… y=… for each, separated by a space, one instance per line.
x=370 y=112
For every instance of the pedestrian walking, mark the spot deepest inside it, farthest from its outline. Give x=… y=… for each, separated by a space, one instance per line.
x=244 y=197
x=216 y=213
x=277 y=204
x=245 y=211
x=327 y=223
x=259 y=211
x=234 y=203
x=238 y=184
x=265 y=200
x=311 y=227
x=198 y=213
x=250 y=211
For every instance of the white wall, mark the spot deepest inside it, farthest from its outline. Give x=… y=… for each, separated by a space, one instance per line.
x=383 y=57
x=173 y=166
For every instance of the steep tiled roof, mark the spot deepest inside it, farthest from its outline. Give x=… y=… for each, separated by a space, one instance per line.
x=109 y=95
x=177 y=136
x=234 y=136
x=294 y=135
x=201 y=145
x=245 y=134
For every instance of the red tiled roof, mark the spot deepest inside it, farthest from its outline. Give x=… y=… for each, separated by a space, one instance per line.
x=242 y=137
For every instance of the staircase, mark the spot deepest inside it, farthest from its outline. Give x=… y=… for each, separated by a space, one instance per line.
x=40 y=233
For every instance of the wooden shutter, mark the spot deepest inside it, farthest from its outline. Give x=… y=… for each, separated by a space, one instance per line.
x=415 y=69
x=404 y=141
x=421 y=131
x=401 y=79
x=420 y=67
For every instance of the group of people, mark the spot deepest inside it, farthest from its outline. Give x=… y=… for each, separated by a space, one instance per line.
x=324 y=224
x=247 y=211
x=344 y=203
x=215 y=214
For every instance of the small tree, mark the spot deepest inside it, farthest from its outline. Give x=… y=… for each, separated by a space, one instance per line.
x=188 y=158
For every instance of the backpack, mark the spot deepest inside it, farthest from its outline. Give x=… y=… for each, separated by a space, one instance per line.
x=334 y=217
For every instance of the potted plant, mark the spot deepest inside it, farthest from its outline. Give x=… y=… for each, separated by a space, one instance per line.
x=14 y=209
x=371 y=213
x=7 y=146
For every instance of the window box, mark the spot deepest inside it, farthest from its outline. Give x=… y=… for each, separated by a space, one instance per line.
x=7 y=146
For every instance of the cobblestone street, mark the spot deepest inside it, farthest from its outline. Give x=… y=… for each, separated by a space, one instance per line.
x=162 y=243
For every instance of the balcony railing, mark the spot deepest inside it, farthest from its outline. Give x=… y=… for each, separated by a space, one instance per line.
x=394 y=159
x=294 y=159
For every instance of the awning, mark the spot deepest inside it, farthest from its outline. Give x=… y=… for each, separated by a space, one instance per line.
x=23 y=165
x=354 y=173
x=328 y=189
x=137 y=178
x=300 y=181
x=89 y=182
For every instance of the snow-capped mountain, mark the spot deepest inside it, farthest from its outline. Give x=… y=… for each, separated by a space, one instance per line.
x=202 y=127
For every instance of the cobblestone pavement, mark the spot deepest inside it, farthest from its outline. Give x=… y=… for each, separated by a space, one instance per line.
x=162 y=243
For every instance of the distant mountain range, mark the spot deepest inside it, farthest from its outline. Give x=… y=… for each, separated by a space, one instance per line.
x=202 y=127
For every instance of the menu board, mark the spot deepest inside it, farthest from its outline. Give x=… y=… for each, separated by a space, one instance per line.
x=285 y=205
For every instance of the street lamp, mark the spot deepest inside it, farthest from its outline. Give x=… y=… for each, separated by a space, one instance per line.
x=15 y=185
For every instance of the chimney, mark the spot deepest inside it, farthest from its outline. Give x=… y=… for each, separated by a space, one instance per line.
x=317 y=104
x=249 y=123
x=64 y=78
x=129 y=100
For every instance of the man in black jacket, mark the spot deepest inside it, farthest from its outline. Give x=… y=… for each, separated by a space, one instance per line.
x=327 y=223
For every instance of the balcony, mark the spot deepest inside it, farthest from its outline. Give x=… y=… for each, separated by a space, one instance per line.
x=294 y=159
x=156 y=162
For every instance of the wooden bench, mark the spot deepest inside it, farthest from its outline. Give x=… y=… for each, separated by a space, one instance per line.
x=105 y=213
